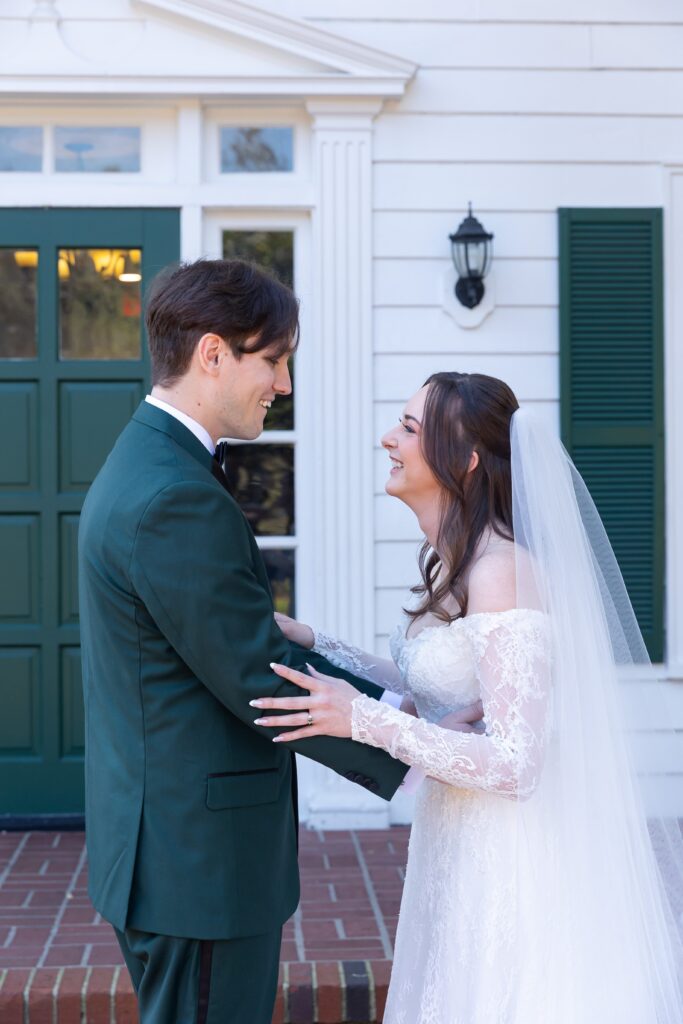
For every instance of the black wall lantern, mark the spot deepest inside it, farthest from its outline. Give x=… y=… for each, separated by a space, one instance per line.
x=471 y=249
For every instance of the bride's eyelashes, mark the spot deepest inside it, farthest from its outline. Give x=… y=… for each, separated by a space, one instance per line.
x=408 y=430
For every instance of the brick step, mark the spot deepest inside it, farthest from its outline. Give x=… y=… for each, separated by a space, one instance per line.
x=60 y=962
x=313 y=992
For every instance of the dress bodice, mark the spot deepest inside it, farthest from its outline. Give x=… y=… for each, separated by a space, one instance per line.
x=438 y=667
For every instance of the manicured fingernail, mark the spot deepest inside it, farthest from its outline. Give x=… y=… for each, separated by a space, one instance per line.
x=277 y=739
x=255 y=703
x=272 y=664
x=259 y=721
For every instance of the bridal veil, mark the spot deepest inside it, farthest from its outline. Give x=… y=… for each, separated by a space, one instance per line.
x=605 y=922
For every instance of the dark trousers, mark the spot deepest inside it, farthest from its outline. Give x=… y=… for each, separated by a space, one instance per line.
x=196 y=981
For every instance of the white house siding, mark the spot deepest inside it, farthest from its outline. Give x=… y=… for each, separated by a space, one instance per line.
x=521 y=108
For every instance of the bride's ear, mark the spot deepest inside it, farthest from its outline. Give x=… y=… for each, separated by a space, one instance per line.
x=474 y=461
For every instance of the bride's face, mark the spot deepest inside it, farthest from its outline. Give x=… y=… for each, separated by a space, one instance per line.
x=410 y=477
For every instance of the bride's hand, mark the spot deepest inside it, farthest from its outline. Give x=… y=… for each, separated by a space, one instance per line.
x=297 y=632
x=328 y=705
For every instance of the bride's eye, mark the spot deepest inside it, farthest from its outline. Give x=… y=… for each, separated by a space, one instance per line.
x=408 y=430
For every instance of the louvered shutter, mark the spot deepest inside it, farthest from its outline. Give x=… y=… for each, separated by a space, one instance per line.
x=611 y=388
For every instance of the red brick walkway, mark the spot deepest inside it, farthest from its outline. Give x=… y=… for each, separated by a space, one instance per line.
x=59 y=961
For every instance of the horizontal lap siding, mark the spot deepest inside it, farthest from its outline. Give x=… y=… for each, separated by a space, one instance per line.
x=521 y=110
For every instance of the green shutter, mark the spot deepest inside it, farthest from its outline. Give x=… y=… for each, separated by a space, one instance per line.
x=611 y=388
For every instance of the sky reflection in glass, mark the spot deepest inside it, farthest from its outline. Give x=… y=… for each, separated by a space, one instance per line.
x=97 y=150
x=21 y=148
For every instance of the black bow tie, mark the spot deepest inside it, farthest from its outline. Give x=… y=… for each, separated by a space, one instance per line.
x=219 y=465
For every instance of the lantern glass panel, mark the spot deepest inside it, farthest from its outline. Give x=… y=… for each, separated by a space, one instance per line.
x=460 y=258
x=476 y=258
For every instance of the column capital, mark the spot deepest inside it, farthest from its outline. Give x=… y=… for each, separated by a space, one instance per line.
x=344 y=113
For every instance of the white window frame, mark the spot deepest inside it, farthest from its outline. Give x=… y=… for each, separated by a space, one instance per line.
x=256 y=116
x=215 y=222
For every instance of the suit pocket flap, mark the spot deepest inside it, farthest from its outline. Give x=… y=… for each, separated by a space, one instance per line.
x=242 y=789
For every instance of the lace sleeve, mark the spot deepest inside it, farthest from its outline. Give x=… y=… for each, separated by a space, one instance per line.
x=512 y=663
x=382 y=671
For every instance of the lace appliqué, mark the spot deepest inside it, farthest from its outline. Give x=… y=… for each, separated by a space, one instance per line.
x=511 y=663
x=377 y=670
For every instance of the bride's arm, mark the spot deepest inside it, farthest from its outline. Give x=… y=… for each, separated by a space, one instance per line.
x=382 y=671
x=512 y=667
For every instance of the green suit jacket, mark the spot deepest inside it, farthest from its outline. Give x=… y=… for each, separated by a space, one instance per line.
x=189 y=817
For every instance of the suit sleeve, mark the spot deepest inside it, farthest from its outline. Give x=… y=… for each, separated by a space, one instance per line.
x=192 y=566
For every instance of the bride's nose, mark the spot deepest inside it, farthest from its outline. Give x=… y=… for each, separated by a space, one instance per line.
x=388 y=440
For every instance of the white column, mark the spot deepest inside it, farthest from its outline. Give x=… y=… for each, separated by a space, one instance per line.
x=342 y=415
x=673 y=365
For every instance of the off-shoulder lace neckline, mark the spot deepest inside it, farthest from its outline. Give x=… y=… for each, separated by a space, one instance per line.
x=467 y=619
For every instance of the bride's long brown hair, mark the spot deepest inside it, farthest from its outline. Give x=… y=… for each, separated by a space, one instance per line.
x=464 y=412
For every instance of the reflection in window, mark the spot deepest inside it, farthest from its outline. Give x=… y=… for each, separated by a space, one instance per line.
x=262 y=476
x=21 y=149
x=97 y=150
x=256 y=150
x=273 y=250
x=18 y=273
x=280 y=569
x=99 y=303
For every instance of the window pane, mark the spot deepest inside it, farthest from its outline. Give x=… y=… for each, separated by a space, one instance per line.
x=273 y=250
x=21 y=149
x=280 y=569
x=256 y=150
x=262 y=476
x=99 y=303
x=18 y=273
x=97 y=150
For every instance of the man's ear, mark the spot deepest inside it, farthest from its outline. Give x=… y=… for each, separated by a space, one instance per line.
x=210 y=350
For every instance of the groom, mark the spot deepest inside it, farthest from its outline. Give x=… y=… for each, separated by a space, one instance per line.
x=191 y=816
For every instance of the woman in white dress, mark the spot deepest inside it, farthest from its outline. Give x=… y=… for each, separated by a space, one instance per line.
x=532 y=893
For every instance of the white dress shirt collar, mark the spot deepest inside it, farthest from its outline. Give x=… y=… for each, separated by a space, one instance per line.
x=197 y=429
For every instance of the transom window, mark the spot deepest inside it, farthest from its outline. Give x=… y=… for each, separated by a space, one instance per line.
x=254 y=149
x=73 y=149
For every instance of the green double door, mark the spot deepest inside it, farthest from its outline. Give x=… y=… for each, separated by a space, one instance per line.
x=73 y=368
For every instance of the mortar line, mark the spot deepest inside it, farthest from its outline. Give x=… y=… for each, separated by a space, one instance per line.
x=13 y=859
x=60 y=913
x=372 y=897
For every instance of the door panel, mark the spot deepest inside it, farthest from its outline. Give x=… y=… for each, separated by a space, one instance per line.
x=18 y=420
x=72 y=719
x=20 y=699
x=91 y=417
x=73 y=368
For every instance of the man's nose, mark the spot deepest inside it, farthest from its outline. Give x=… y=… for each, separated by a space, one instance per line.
x=283 y=382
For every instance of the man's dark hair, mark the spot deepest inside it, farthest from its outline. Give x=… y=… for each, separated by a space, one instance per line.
x=242 y=303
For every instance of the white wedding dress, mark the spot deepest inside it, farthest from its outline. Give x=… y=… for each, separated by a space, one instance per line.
x=536 y=891
x=457 y=959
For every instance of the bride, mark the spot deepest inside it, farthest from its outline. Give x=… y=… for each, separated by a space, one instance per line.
x=533 y=892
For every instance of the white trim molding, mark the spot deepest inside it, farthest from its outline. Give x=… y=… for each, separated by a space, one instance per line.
x=673 y=408
x=288 y=35
x=342 y=414
x=44 y=62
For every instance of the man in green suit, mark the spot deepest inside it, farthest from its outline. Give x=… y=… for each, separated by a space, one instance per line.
x=191 y=827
